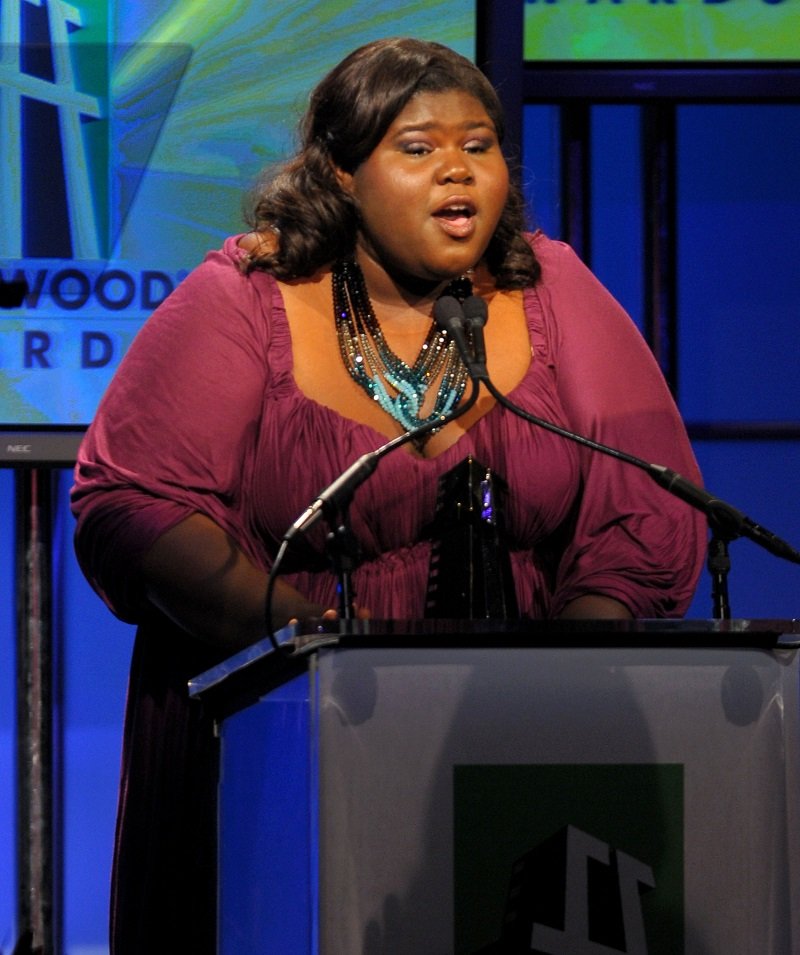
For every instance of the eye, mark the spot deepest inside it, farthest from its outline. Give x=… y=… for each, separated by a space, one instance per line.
x=415 y=148
x=478 y=145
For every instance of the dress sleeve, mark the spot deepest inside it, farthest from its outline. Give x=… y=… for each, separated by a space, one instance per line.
x=175 y=429
x=632 y=540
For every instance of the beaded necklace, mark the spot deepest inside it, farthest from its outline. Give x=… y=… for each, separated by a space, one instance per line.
x=399 y=388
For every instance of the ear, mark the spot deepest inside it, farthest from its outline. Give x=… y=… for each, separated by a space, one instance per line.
x=345 y=179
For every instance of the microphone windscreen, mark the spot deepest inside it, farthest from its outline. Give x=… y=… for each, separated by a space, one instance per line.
x=447 y=311
x=475 y=310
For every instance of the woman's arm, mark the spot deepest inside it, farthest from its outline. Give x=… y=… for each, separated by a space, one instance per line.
x=633 y=543
x=595 y=607
x=199 y=578
x=160 y=477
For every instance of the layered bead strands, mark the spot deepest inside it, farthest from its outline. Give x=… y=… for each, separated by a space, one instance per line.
x=399 y=388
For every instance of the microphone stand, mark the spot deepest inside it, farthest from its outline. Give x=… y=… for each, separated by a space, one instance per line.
x=333 y=502
x=725 y=521
x=719 y=565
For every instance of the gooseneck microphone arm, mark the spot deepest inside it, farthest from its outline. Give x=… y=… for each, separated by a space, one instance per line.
x=727 y=523
x=332 y=502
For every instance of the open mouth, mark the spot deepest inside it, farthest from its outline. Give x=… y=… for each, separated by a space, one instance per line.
x=456 y=218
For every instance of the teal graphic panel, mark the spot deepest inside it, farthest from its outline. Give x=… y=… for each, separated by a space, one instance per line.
x=130 y=133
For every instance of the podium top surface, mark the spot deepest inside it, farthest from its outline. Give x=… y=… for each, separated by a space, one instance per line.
x=266 y=663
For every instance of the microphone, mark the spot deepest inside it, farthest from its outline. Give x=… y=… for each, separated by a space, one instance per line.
x=336 y=495
x=723 y=517
x=449 y=315
x=475 y=316
x=729 y=521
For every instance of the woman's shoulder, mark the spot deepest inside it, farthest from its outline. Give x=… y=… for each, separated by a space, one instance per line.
x=221 y=286
x=227 y=272
x=554 y=255
x=241 y=250
x=255 y=245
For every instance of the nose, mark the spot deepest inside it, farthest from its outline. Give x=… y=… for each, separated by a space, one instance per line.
x=455 y=167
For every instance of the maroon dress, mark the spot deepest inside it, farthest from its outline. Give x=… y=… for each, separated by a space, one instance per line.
x=204 y=415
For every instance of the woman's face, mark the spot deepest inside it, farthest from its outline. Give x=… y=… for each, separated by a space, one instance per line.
x=432 y=191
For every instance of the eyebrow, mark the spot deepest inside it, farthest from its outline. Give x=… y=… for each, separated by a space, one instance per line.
x=434 y=124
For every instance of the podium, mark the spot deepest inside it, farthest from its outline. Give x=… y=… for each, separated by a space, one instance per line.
x=440 y=787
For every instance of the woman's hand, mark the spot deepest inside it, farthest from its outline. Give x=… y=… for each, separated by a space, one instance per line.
x=361 y=613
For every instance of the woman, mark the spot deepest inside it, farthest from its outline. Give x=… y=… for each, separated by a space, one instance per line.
x=245 y=394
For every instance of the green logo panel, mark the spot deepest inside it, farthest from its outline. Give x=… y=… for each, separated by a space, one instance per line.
x=568 y=859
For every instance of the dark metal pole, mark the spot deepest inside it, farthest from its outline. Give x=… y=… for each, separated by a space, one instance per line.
x=576 y=178
x=499 y=53
x=38 y=874
x=660 y=240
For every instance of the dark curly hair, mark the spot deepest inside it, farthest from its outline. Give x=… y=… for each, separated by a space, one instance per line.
x=302 y=203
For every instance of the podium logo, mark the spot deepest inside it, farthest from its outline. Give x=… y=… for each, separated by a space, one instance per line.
x=568 y=860
x=576 y=895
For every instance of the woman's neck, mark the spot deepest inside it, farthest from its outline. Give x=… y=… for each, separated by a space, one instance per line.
x=394 y=293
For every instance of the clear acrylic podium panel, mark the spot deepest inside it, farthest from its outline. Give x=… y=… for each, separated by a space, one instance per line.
x=579 y=800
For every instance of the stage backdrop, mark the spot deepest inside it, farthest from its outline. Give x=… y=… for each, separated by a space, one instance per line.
x=129 y=133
